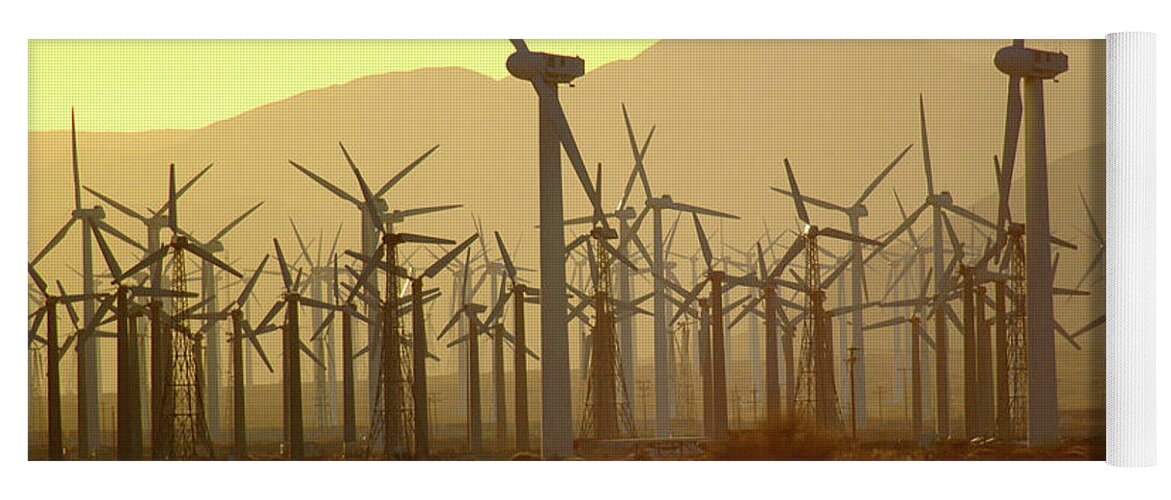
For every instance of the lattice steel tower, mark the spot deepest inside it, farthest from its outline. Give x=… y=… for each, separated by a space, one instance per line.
x=607 y=414
x=1018 y=336
x=392 y=422
x=189 y=437
x=684 y=383
x=817 y=399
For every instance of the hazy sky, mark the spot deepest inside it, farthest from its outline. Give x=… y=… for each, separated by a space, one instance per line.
x=132 y=85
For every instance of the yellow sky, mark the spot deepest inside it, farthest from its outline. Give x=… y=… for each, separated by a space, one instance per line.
x=132 y=85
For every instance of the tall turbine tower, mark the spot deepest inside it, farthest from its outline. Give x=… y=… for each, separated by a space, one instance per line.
x=1034 y=66
x=546 y=72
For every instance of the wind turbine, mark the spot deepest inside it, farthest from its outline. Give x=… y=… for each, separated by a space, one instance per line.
x=520 y=293
x=126 y=314
x=625 y=214
x=369 y=220
x=349 y=312
x=497 y=272
x=775 y=343
x=471 y=312
x=47 y=314
x=715 y=342
x=816 y=393
x=209 y=288
x=291 y=348
x=419 y=346
x=155 y=223
x=656 y=206
x=546 y=72
x=917 y=334
x=387 y=422
x=1034 y=67
x=181 y=429
x=855 y=213
x=240 y=327
x=88 y=354
x=320 y=275
x=938 y=202
x=607 y=414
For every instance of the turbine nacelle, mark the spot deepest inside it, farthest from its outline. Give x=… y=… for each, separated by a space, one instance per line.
x=942 y=199
x=661 y=202
x=549 y=68
x=97 y=212
x=604 y=233
x=1019 y=61
x=158 y=222
x=627 y=213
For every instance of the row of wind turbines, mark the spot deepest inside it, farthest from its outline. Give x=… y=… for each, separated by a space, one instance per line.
x=1009 y=383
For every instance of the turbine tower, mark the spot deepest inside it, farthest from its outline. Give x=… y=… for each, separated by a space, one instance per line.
x=546 y=72
x=1034 y=66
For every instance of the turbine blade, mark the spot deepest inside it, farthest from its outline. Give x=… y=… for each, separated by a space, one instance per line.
x=425 y=240
x=688 y=299
x=107 y=254
x=326 y=184
x=146 y=262
x=209 y=258
x=554 y=111
x=403 y=173
x=617 y=255
x=926 y=149
x=280 y=257
x=797 y=198
x=684 y=207
x=884 y=324
x=1099 y=321
x=446 y=259
x=309 y=352
x=40 y=282
x=54 y=241
x=504 y=255
x=247 y=291
x=842 y=235
x=228 y=228
x=118 y=206
x=911 y=231
x=813 y=201
x=905 y=226
x=968 y=214
x=1012 y=127
x=639 y=155
x=371 y=205
x=76 y=170
x=795 y=249
x=260 y=350
x=703 y=243
x=1090 y=215
x=172 y=207
x=878 y=180
x=119 y=234
x=454 y=319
